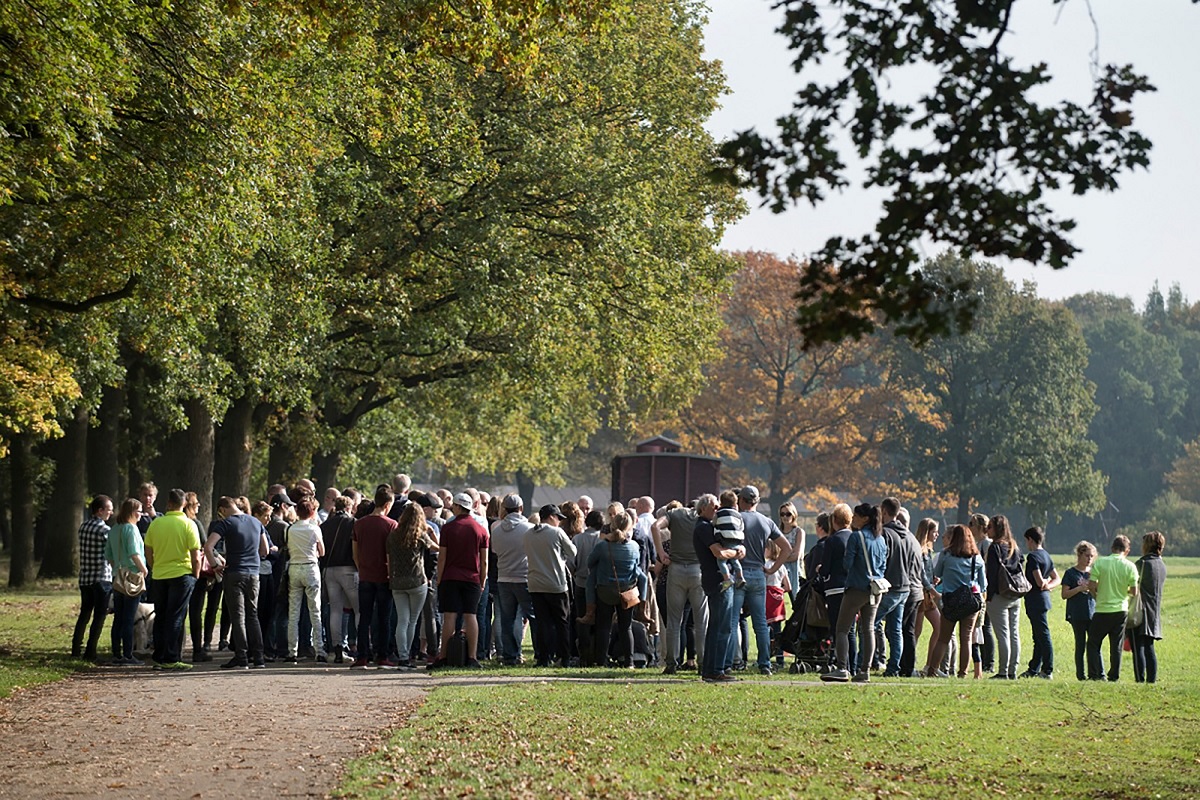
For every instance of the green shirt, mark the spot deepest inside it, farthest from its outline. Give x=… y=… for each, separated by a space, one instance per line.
x=172 y=537
x=1115 y=576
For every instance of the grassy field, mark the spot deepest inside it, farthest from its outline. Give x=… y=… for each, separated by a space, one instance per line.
x=35 y=633
x=785 y=736
x=625 y=734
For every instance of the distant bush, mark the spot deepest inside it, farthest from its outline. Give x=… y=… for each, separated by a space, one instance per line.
x=1178 y=519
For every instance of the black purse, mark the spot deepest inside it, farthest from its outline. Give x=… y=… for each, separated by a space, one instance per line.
x=963 y=601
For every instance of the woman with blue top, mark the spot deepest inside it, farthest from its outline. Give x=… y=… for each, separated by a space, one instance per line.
x=1081 y=605
x=959 y=565
x=613 y=566
x=125 y=548
x=864 y=559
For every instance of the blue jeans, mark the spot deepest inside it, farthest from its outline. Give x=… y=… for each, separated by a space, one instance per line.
x=483 y=649
x=513 y=597
x=717 y=636
x=1043 y=649
x=891 y=611
x=375 y=611
x=124 y=611
x=753 y=598
x=171 y=599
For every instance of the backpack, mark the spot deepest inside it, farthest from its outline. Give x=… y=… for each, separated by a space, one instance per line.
x=1013 y=585
x=456 y=650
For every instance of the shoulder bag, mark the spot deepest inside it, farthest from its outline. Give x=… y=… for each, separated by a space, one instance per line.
x=1013 y=585
x=627 y=597
x=879 y=585
x=963 y=601
x=1137 y=610
x=128 y=582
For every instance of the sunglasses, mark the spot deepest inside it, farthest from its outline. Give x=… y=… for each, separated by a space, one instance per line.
x=786 y=514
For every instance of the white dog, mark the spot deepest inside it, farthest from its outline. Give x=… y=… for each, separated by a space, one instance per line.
x=143 y=629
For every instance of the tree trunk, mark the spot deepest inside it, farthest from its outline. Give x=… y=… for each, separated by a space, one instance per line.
x=234 y=450
x=186 y=462
x=325 y=470
x=525 y=487
x=104 y=474
x=964 y=508
x=279 y=463
x=138 y=449
x=64 y=513
x=20 y=457
x=774 y=489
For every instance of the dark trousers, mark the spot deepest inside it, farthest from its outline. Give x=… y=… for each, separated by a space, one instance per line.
x=93 y=605
x=483 y=613
x=1109 y=626
x=1145 y=661
x=206 y=599
x=552 y=611
x=241 y=601
x=124 y=612
x=266 y=616
x=584 y=634
x=171 y=598
x=1042 y=660
x=908 y=633
x=374 y=609
x=1080 y=627
x=604 y=633
x=833 y=603
x=987 y=651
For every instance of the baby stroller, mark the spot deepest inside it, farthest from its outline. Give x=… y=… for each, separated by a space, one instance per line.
x=807 y=635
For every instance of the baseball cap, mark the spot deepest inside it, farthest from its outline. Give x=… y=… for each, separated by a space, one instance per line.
x=281 y=499
x=749 y=493
x=465 y=500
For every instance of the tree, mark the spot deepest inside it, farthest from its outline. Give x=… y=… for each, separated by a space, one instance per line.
x=1009 y=403
x=1140 y=392
x=987 y=152
x=812 y=418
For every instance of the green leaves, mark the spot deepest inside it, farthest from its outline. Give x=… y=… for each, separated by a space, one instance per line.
x=979 y=186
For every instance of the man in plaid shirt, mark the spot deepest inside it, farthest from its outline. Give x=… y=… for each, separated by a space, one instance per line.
x=95 y=577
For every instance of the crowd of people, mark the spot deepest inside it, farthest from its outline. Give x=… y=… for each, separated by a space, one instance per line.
x=404 y=578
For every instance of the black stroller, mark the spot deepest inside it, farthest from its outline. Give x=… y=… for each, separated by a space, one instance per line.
x=807 y=635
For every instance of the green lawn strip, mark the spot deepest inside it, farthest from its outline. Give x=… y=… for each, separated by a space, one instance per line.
x=693 y=740
x=35 y=636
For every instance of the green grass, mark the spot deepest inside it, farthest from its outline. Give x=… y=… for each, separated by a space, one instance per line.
x=35 y=633
x=624 y=736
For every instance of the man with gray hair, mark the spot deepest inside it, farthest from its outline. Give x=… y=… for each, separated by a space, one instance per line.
x=512 y=568
x=683 y=583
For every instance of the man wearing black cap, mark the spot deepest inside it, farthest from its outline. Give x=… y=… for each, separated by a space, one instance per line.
x=275 y=628
x=548 y=550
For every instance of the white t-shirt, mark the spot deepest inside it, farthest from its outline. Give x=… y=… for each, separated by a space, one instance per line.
x=303 y=538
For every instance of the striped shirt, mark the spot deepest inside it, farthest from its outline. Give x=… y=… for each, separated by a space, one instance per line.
x=93 y=568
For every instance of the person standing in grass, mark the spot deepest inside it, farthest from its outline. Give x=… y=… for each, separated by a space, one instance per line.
x=1043 y=578
x=1080 y=603
x=1113 y=582
x=958 y=565
x=124 y=548
x=461 y=574
x=1152 y=574
x=1003 y=610
x=95 y=577
x=548 y=550
x=719 y=598
x=173 y=556
x=865 y=560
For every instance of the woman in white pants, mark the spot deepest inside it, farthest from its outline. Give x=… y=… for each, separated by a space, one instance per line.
x=304 y=576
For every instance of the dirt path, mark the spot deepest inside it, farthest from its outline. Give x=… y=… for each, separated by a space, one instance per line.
x=119 y=732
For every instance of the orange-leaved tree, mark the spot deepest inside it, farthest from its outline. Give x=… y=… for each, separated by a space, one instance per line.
x=811 y=420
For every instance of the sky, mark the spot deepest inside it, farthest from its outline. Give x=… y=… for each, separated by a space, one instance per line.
x=1147 y=231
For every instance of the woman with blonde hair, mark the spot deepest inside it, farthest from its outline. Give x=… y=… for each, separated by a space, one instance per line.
x=1081 y=605
x=927 y=535
x=789 y=524
x=613 y=568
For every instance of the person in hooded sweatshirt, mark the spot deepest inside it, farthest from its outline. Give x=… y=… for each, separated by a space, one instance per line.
x=512 y=567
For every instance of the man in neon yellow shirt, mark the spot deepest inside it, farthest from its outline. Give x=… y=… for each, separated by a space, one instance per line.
x=1114 y=580
x=173 y=553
